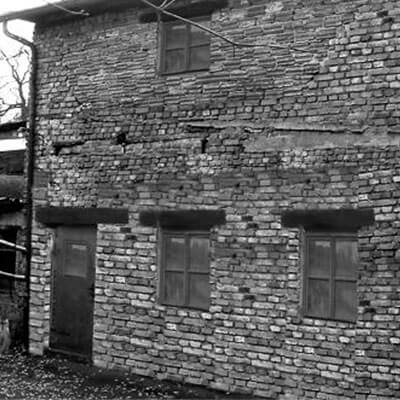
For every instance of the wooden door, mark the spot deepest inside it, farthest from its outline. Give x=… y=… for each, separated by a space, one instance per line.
x=73 y=290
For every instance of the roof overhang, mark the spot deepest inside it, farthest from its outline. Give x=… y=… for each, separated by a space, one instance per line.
x=56 y=12
x=82 y=8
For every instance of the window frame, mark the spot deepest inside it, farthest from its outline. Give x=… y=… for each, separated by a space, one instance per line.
x=187 y=271
x=332 y=237
x=188 y=45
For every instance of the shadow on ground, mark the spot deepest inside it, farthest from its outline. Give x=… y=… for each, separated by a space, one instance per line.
x=25 y=377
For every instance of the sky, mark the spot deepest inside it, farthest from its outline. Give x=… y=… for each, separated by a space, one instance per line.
x=14 y=5
x=19 y=27
x=9 y=46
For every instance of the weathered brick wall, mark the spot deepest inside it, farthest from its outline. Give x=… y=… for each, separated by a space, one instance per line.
x=264 y=131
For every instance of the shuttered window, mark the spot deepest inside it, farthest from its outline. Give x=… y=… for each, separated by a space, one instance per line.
x=185 y=269
x=185 y=47
x=330 y=284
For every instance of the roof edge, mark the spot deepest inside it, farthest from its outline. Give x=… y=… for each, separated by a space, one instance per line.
x=56 y=10
x=29 y=13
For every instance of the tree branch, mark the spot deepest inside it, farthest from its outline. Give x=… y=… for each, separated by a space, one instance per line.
x=4 y=85
x=13 y=68
x=72 y=12
x=15 y=88
x=211 y=31
x=167 y=4
x=8 y=108
x=162 y=9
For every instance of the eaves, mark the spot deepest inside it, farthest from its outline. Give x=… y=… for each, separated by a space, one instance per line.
x=52 y=12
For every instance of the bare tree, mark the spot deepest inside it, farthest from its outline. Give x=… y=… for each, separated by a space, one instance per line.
x=14 y=82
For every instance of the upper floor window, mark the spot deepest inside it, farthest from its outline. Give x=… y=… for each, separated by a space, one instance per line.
x=330 y=282
x=185 y=47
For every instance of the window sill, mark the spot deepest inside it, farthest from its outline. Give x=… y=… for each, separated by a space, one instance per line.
x=185 y=72
x=185 y=308
x=327 y=320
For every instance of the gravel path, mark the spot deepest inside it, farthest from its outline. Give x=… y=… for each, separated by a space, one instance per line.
x=54 y=378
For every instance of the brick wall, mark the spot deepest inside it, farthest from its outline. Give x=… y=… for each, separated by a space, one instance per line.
x=264 y=131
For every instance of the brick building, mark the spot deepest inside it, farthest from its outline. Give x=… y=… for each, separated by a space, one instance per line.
x=221 y=215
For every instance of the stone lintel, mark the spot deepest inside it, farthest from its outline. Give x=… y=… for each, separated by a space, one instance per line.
x=81 y=215
x=343 y=220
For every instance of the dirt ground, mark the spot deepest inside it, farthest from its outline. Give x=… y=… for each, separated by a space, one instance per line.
x=26 y=377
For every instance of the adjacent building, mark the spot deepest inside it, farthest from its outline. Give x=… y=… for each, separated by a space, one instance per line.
x=12 y=227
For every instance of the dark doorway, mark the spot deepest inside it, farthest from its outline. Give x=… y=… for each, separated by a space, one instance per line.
x=7 y=260
x=73 y=290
